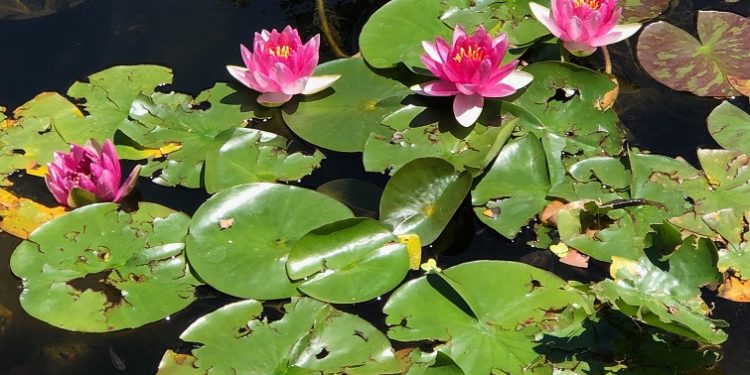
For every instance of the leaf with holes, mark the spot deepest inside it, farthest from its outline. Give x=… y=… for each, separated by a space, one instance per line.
x=707 y=67
x=430 y=132
x=485 y=315
x=161 y=120
x=348 y=261
x=566 y=100
x=31 y=138
x=515 y=187
x=107 y=97
x=98 y=269
x=422 y=197
x=342 y=118
x=655 y=297
x=310 y=338
x=255 y=156
x=268 y=220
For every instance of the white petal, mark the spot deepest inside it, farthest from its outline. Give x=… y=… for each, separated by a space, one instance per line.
x=273 y=99
x=539 y=11
x=467 y=108
x=543 y=15
x=431 y=50
x=518 y=79
x=319 y=83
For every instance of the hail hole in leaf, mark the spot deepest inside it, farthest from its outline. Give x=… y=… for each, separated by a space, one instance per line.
x=323 y=353
x=97 y=282
x=202 y=106
x=18 y=151
x=564 y=94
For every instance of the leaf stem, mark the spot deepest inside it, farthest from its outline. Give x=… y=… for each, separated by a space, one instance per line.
x=607 y=61
x=326 y=28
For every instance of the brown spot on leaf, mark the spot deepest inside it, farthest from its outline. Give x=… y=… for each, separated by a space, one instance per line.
x=226 y=223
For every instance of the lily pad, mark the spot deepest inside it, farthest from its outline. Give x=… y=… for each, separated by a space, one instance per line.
x=98 y=269
x=730 y=127
x=394 y=33
x=638 y=11
x=706 y=67
x=165 y=119
x=514 y=189
x=348 y=261
x=342 y=119
x=255 y=156
x=30 y=139
x=311 y=338
x=362 y=197
x=658 y=298
x=567 y=100
x=419 y=132
x=422 y=197
x=266 y=221
x=107 y=97
x=484 y=329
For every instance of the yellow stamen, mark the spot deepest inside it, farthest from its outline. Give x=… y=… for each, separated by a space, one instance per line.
x=280 y=51
x=591 y=4
x=474 y=53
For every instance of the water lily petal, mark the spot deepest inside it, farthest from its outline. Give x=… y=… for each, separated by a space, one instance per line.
x=518 y=79
x=579 y=49
x=467 y=108
x=542 y=14
x=273 y=99
x=238 y=73
x=436 y=88
x=319 y=83
x=128 y=185
x=618 y=34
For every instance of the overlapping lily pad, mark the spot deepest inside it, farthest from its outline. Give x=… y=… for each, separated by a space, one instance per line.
x=422 y=132
x=485 y=315
x=341 y=119
x=311 y=338
x=348 y=261
x=249 y=230
x=394 y=33
x=255 y=156
x=642 y=10
x=422 y=197
x=165 y=119
x=730 y=127
x=714 y=66
x=98 y=269
x=658 y=298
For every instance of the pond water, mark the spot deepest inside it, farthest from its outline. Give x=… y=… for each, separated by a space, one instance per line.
x=197 y=38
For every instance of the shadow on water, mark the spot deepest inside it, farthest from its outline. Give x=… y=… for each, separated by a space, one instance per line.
x=197 y=38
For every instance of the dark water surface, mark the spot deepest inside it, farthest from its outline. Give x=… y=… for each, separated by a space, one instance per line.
x=197 y=38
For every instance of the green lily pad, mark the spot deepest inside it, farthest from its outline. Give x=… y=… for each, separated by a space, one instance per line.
x=694 y=262
x=32 y=139
x=511 y=16
x=567 y=100
x=344 y=119
x=311 y=338
x=638 y=11
x=394 y=33
x=362 y=197
x=422 y=197
x=107 y=98
x=655 y=297
x=515 y=187
x=160 y=120
x=730 y=127
x=255 y=156
x=485 y=329
x=348 y=261
x=707 y=67
x=249 y=230
x=97 y=269
x=419 y=132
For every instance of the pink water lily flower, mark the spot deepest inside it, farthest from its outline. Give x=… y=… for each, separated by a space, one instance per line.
x=584 y=25
x=470 y=69
x=92 y=168
x=280 y=66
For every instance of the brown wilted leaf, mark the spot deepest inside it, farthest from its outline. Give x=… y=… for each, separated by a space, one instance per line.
x=740 y=84
x=574 y=258
x=549 y=215
x=226 y=223
x=735 y=289
x=609 y=97
x=20 y=216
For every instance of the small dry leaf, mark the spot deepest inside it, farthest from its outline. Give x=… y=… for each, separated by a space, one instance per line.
x=609 y=97
x=740 y=84
x=226 y=223
x=575 y=259
x=735 y=289
x=20 y=216
x=491 y=213
x=549 y=215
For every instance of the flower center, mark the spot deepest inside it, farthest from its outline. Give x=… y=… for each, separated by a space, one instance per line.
x=591 y=4
x=280 y=51
x=473 y=53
